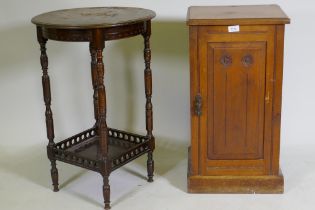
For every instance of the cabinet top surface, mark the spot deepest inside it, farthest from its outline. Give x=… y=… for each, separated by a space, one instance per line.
x=93 y=17
x=226 y=15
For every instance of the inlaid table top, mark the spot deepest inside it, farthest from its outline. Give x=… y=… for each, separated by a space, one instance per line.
x=93 y=17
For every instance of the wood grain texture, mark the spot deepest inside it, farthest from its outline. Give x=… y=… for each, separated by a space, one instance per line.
x=148 y=94
x=93 y=17
x=94 y=82
x=277 y=93
x=194 y=90
x=236 y=184
x=214 y=123
x=236 y=98
x=236 y=139
x=238 y=15
x=48 y=112
x=261 y=184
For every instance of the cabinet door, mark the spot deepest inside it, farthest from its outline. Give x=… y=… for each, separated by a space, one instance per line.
x=236 y=90
x=233 y=74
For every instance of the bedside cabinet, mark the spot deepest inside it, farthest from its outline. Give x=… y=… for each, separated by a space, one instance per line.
x=236 y=60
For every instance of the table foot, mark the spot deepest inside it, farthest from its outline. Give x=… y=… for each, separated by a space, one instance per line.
x=54 y=175
x=150 y=166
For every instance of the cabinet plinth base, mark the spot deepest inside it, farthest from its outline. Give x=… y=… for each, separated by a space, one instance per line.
x=236 y=184
x=265 y=184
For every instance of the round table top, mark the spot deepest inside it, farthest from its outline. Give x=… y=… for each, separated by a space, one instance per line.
x=93 y=17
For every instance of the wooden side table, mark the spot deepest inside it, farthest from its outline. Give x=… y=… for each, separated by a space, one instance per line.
x=99 y=148
x=236 y=61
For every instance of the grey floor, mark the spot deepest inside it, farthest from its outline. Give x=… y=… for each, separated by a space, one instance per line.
x=25 y=183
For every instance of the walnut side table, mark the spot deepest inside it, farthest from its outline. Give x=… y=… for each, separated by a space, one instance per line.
x=99 y=148
x=236 y=62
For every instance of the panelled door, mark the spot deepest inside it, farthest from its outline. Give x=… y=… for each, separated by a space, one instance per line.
x=234 y=74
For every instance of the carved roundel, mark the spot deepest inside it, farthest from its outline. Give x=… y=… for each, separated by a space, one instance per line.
x=226 y=60
x=247 y=60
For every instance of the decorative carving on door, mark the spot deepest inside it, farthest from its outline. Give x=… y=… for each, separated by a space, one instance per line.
x=247 y=60
x=226 y=60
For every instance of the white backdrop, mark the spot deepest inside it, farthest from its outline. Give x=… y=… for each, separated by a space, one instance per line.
x=22 y=108
x=22 y=123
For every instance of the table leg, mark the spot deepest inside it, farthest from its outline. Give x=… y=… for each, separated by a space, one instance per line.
x=98 y=44
x=106 y=192
x=48 y=113
x=102 y=128
x=148 y=93
x=94 y=83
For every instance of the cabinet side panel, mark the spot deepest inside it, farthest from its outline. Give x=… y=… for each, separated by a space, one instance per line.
x=276 y=115
x=269 y=98
x=194 y=89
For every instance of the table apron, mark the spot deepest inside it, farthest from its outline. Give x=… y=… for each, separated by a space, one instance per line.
x=86 y=35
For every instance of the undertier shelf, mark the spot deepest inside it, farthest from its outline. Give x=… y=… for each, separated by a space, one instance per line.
x=83 y=149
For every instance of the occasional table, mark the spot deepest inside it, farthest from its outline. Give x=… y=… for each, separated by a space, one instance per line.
x=100 y=148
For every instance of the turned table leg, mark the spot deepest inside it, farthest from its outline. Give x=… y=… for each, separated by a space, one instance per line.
x=148 y=93
x=94 y=83
x=48 y=113
x=98 y=45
